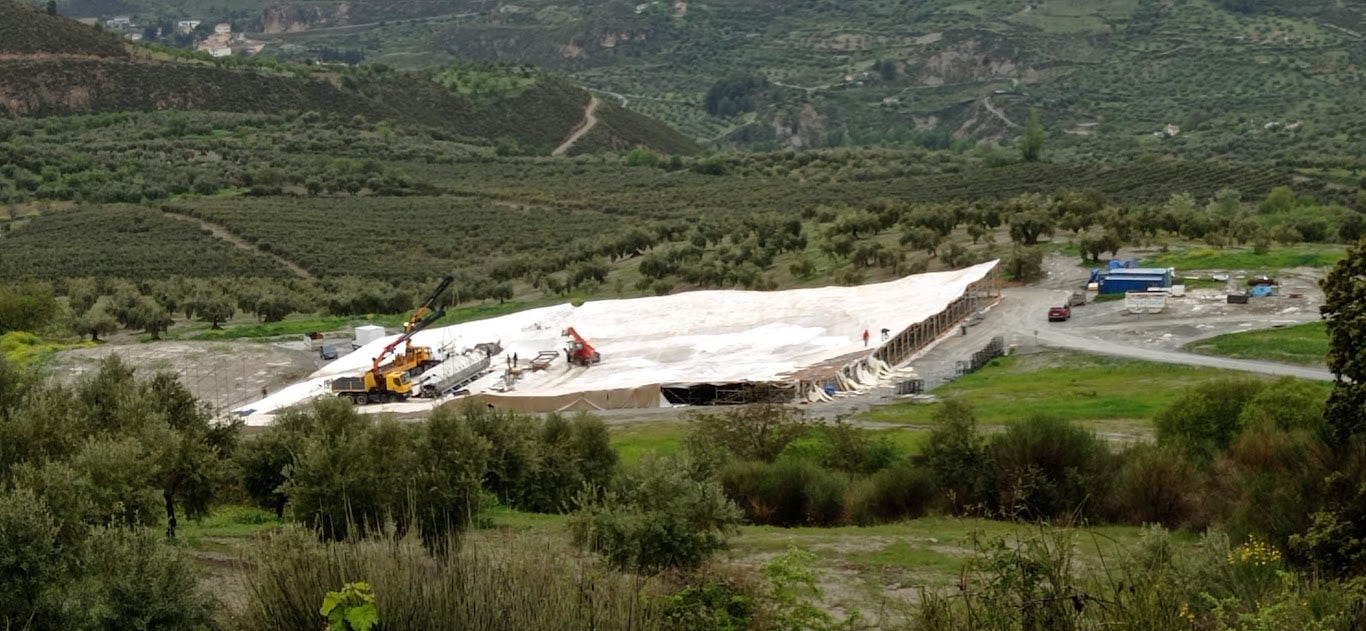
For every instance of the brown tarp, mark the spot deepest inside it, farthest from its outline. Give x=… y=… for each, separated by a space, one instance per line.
x=612 y=399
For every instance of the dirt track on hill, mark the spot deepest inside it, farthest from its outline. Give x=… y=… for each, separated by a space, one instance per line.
x=589 y=122
x=238 y=242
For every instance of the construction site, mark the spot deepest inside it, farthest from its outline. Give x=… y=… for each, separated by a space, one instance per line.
x=691 y=349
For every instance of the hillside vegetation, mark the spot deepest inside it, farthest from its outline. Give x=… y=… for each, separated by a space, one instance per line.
x=57 y=66
x=1252 y=79
x=25 y=30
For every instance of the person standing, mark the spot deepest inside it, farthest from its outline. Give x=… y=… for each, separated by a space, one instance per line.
x=865 y=338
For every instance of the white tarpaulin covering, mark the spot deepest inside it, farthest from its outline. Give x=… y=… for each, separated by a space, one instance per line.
x=700 y=336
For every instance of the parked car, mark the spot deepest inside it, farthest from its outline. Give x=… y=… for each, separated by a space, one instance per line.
x=327 y=352
x=1059 y=314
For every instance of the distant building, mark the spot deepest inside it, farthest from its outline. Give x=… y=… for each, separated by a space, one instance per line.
x=137 y=37
x=185 y=26
x=222 y=29
x=1172 y=130
x=220 y=52
x=120 y=22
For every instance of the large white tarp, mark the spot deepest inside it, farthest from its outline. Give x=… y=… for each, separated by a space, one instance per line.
x=700 y=336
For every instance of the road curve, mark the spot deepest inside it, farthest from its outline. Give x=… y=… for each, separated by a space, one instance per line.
x=1101 y=347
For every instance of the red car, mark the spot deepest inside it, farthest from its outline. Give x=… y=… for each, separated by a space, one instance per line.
x=1059 y=314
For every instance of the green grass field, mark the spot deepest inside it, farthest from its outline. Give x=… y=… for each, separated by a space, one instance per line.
x=1069 y=386
x=1310 y=255
x=1305 y=344
x=634 y=440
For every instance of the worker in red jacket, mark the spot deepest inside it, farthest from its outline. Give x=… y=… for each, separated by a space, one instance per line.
x=865 y=338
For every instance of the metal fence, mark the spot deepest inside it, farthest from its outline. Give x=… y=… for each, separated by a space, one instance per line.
x=910 y=386
x=996 y=348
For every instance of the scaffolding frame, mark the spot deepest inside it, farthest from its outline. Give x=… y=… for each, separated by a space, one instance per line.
x=978 y=295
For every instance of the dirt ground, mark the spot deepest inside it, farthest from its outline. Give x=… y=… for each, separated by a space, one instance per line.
x=222 y=374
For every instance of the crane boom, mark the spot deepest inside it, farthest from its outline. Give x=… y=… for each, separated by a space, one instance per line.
x=431 y=300
x=419 y=320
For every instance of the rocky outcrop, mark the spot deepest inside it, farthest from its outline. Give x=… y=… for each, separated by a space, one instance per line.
x=801 y=130
x=290 y=18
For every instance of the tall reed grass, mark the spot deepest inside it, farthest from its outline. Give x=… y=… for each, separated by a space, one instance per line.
x=505 y=584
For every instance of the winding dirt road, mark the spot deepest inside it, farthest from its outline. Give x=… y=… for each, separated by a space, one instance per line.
x=589 y=122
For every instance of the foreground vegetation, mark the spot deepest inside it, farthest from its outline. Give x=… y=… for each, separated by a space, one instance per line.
x=1265 y=478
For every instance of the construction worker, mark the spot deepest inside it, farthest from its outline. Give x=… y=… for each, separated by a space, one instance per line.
x=885 y=333
x=514 y=360
x=865 y=338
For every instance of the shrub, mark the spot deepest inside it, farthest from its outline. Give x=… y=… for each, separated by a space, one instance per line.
x=955 y=454
x=451 y=460
x=1204 y=420
x=334 y=485
x=1269 y=483
x=641 y=157
x=1286 y=404
x=1157 y=485
x=786 y=493
x=901 y=492
x=709 y=601
x=842 y=447
x=31 y=559
x=1044 y=468
x=656 y=517
x=1335 y=541
x=750 y=432
x=143 y=583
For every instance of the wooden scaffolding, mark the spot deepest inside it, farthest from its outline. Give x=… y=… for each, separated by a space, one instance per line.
x=906 y=343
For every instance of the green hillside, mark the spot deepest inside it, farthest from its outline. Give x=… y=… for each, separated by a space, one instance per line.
x=1246 y=79
x=26 y=30
x=56 y=66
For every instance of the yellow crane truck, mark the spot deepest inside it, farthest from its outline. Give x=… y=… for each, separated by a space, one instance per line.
x=392 y=382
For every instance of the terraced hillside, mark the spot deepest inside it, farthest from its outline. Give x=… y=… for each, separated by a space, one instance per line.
x=1251 y=79
x=51 y=65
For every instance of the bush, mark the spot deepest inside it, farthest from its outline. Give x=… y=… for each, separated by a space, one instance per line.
x=1157 y=485
x=1269 y=483
x=1335 y=541
x=842 y=447
x=143 y=583
x=750 y=432
x=334 y=485
x=786 y=493
x=657 y=517
x=1044 y=468
x=1287 y=404
x=955 y=454
x=451 y=460
x=541 y=465
x=901 y=492
x=1204 y=420
x=100 y=578
x=708 y=601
